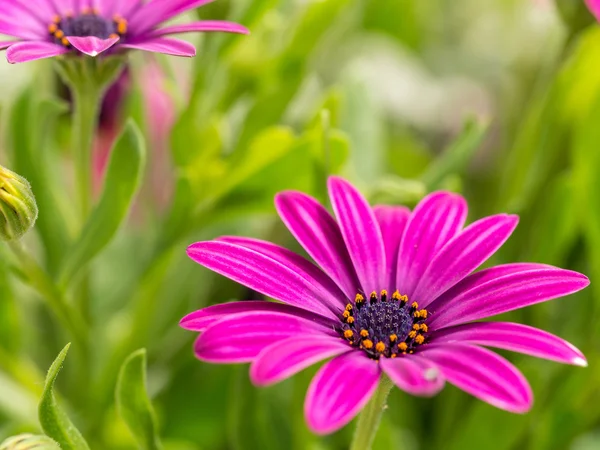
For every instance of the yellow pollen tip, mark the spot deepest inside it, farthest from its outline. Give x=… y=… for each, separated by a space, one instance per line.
x=380 y=347
x=424 y=328
x=412 y=334
x=402 y=346
x=95 y=11
x=420 y=339
x=56 y=19
x=52 y=28
x=349 y=307
x=393 y=355
x=367 y=343
x=346 y=314
x=350 y=320
x=383 y=293
x=373 y=294
x=423 y=313
x=396 y=295
x=113 y=36
x=415 y=305
x=393 y=338
x=122 y=26
x=86 y=11
x=416 y=326
x=348 y=334
x=59 y=34
x=404 y=299
x=364 y=333
x=359 y=298
x=64 y=41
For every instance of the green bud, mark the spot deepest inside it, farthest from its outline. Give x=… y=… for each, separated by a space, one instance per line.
x=18 y=209
x=29 y=442
x=575 y=14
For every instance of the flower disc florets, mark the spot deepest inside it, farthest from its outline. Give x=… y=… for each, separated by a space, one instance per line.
x=88 y=23
x=383 y=326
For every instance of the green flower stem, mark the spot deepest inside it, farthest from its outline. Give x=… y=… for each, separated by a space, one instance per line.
x=41 y=282
x=370 y=417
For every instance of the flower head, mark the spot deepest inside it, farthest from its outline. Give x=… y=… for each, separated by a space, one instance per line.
x=55 y=27
x=394 y=294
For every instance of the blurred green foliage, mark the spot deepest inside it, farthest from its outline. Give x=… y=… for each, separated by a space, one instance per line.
x=498 y=100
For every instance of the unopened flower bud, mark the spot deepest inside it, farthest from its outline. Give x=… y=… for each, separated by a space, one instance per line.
x=29 y=442
x=18 y=209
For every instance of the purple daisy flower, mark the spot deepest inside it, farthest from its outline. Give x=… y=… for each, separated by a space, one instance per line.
x=54 y=27
x=394 y=294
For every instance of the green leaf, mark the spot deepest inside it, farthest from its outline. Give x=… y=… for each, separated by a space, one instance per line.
x=54 y=420
x=121 y=184
x=133 y=403
x=456 y=158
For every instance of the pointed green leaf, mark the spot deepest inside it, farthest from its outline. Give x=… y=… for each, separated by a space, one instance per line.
x=133 y=403
x=121 y=184
x=54 y=420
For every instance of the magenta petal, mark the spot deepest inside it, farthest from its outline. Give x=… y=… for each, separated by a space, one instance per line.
x=413 y=374
x=514 y=337
x=340 y=389
x=319 y=234
x=202 y=26
x=293 y=261
x=241 y=337
x=30 y=51
x=203 y=318
x=4 y=45
x=392 y=221
x=167 y=46
x=91 y=45
x=266 y=275
x=594 y=7
x=435 y=220
x=469 y=301
x=158 y=11
x=361 y=233
x=483 y=374
x=463 y=254
x=288 y=357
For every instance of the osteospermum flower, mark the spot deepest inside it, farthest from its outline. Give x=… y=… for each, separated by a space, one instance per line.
x=394 y=294
x=47 y=28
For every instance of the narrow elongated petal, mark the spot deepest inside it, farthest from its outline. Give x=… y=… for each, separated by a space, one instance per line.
x=30 y=51
x=483 y=374
x=241 y=337
x=202 y=26
x=203 y=318
x=159 y=11
x=289 y=356
x=319 y=234
x=435 y=220
x=5 y=45
x=265 y=275
x=415 y=375
x=361 y=233
x=473 y=301
x=164 y=45
x=91 y=45
x=514 y=337
x=294 y=262
x=392 y=222
x=463 y=254
x=340 y=389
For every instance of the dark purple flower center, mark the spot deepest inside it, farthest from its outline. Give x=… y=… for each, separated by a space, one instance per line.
x=88 y=23
x=383 y=326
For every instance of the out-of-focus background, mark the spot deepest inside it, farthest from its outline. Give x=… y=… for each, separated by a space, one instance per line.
x=498 y=100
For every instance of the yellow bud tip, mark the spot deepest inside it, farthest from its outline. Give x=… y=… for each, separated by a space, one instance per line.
x=346 y=314
x=416 y=326
x=424 y=328
x=52 y=28
x=412 y=334
x=367 y=343
x=359 y=298
x=373 y=294
x=396 y=295
x=402 y=346
x=393 y=338
x=380 y=347
x=423 y=313
x=364 y=333
x=350 y=320
x=415 y=305
x=348 y=334
x=420 y=339
x=59 y=34
x=122 y=27
x=393 y=355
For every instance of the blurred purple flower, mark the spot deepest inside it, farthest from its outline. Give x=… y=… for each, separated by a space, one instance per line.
x=54 y=27
x=393 y=294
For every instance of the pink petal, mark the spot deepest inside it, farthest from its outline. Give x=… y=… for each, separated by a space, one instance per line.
x=91 y=45
x=435 y=220
x=159 y=11
x=30 y=51
x=203 y=318
x=413 y=374
x=485 y=296
x=264 y=274
x=167 y=46
x=288 y=357
x=463 y=254
x=392 y=221
x=340 y=389
x=241 y=337
x=483 y=374
x=361 y=234
x=292 y=261
x=594 y=7
x=319 y=234
x=514 y=337
x=4 y=45
x=202 y=26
